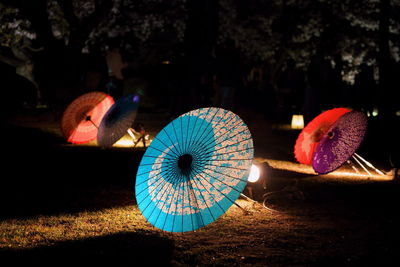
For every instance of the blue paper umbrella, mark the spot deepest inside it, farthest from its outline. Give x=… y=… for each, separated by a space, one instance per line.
x=117 y=120
x=194 y=170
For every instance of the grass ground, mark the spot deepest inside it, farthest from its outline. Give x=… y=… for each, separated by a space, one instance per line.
x=75 y=204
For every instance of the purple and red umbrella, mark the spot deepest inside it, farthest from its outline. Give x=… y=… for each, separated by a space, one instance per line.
x=340 y=142
x=311 y=135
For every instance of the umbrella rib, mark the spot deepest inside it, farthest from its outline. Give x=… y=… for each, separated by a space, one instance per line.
x=168 y=175
x=183 y=202
x=218 y=191
x=233 y=159
x=187 y=134
x=198 y=142
x=154 y=157
x=147 y=171
x=240 y=150
x=192 y=130
x=203 y=157
x=164 y=182
x=237 y=178
x=190 y=185
x=183 y=144
x=162 y=151
x=168 y=188
x=241 y=141
x=199 y=137
x=226 y=183
x=205 y=202
x=177 y=140
x=210 y=152
x=152 y=177
x=208 y=193
x=160 y=181
x=208 y=141
x=168 y=212
x=230 y=167
x=209 y=146
x=176 y=204
x=167 y=162
x=190 y=205
x=173 y=148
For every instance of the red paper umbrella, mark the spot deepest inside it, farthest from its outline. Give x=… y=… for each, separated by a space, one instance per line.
x=82 y=117
x=311 y=135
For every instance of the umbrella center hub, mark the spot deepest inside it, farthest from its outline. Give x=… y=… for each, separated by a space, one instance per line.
x=185 y=161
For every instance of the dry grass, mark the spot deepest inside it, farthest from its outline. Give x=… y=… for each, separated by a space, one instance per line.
x=75 y=204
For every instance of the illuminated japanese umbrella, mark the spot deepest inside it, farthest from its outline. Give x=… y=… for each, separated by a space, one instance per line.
x=340 y=143
x=82 y=117
x=117 y=120
x=194 y=170
x=311 y=135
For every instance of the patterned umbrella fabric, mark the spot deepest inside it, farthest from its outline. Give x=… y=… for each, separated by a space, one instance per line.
x=311 y=135
x=80 y=121
x=194 y=170
x=118 y=120
x=340 y=143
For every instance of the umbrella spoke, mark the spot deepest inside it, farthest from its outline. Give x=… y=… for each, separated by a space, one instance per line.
x=201 y=195
x=211 y=146
x=153 y=178
x=228 y=198
x=233 y=177
x=178 y=143
x=176 y=207
x=206 y=142
x=163 y=182
x=193 y=129
x=172 y=148
x=169 y=208
x=204 y=128
x=200 y=142
x=166 y=189
x=209 y=193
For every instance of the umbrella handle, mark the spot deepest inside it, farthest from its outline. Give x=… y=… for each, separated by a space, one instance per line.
x=240 y=207
x=369 y=164
x=362 y=166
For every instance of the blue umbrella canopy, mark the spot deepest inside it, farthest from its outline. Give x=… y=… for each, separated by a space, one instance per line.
x=194 y=170
x=117 y=120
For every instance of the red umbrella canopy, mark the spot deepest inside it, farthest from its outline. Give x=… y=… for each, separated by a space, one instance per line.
x=312 y=134
x=80 y=121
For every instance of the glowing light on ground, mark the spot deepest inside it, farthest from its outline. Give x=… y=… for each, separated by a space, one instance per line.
x=254 y=174
x=345 y=172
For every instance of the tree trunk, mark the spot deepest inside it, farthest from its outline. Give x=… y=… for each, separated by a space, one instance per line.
x=385 y=91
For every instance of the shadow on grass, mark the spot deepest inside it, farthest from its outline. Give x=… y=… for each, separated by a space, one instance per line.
x=123 y=249
x=43 y=175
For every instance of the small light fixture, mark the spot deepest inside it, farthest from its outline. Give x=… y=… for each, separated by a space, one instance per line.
x=297 y=121
x=375 y=112
x=254 y=174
